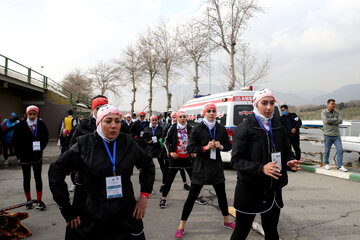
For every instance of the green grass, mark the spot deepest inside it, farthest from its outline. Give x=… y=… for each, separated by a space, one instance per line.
x=346 y=113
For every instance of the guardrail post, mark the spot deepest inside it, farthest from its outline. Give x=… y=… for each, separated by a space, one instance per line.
x=6 y=66
x=321 y=159
x=29 y=75
x=71 y=97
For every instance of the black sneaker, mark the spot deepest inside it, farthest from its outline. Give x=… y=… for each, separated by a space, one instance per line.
x=201 y=201
x=162 y=203
x=40 y=205
x=29 y=206
x=186 y=187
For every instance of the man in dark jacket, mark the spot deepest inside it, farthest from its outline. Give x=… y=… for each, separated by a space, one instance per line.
x=292 y=123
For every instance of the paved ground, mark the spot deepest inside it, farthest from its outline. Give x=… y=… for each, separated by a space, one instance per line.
x=316 y=206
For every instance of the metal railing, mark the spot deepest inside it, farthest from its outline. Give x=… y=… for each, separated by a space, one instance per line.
x=11 y=68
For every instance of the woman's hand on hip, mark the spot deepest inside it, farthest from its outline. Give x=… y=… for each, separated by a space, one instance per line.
x=140 y=208
x=272 y=170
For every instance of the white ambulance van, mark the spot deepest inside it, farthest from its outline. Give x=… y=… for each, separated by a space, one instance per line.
x=232 y=107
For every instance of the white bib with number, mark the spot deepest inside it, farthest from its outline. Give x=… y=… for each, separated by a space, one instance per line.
x=154 y=139
x=141 y=134
x=36 y=146
x=276 y=156
x=114 y=187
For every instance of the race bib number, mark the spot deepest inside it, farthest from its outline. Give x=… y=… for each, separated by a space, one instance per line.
x=113 y=187
x=36 y=146
x=213 y=153
x=154 y=139
x=141 y=134
x=276 y=156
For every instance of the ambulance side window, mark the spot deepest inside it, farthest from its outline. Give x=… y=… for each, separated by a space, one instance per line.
x=241 y=112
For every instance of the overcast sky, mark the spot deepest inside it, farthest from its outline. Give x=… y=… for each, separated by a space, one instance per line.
x=312 y=44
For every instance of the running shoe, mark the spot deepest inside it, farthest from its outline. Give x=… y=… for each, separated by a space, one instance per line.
x=230 y=225
x=186 y=187
x=162 y=203
x=40 y=205
x=179 y=233
x=201 y=201
x=29 y=206
x=342 y=168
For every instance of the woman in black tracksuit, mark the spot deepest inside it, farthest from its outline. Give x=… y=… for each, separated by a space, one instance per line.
x=206 y=141
x=176 y=142
x=110 y=211
x=152 y=136
x=261 y=155
x=30 y=139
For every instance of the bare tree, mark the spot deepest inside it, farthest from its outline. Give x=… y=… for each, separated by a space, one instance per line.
x=250 y=71
x=168 y=46
x=227 y=21
x=77 y=82
x=131 y=65
x=150 y=61
x=194 y=41
x=106 y=77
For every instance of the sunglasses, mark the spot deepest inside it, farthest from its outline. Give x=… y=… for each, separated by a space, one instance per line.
x=182 y=116
x=211 y=111
x=142 y=115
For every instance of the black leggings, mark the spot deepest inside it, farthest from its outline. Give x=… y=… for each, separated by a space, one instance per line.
x=193 y=194
x=26 y=168
x=162 y=168
x=269 y=221
x=170 y=179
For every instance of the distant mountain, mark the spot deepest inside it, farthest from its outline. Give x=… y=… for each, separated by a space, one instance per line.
x=343 y=94
x=318 y=97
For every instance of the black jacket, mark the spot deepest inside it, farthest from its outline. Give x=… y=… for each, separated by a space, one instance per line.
x=124 y=127
x=23 y=139
x=252 y=149
x=85 y=127
x=207 y=171
x=295 y=123
x=136 y=128
x=90 y=158
x=153 y=149
x=171 y=141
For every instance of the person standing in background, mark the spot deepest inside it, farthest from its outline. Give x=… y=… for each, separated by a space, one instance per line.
x=30 y=139
x=332 y=119
x=292 y=123
x=7 y=127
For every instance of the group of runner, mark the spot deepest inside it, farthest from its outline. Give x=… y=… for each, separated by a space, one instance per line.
x=104 y=149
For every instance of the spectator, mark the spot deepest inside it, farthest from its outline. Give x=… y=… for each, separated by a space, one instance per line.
x=7 y=127
x=292 y=123
x=332 y=119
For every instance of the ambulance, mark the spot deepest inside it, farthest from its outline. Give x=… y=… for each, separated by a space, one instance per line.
x=232 y=107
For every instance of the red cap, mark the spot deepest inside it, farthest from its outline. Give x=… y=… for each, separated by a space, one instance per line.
x=207 y=107
x=142 y=113
x=99 y=101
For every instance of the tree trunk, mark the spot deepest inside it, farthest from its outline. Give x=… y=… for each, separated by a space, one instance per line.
x=168 y=94
x=150 y=94
x=232 y=69
x=196 y=79
x=134 y=93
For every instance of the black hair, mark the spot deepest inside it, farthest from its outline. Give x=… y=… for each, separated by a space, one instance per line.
x=284 y=106
x=70 y=112
x=330 y=100
x=99 y=96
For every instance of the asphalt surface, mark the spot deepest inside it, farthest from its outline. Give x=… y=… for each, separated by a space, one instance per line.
x=316 y=206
